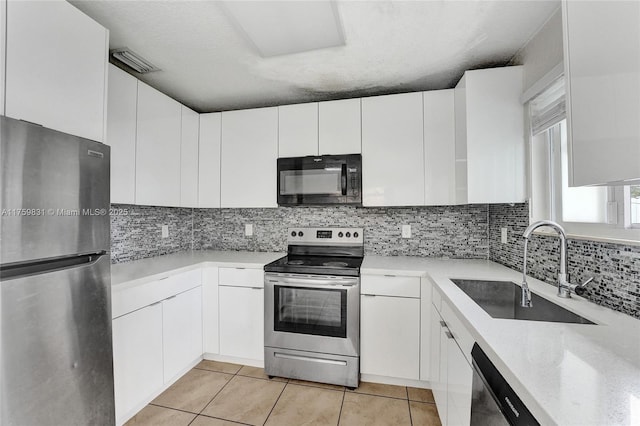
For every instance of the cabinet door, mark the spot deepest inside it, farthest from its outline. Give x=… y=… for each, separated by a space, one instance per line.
x=121 y=134
x=182 y=331
x=392 y=150
x=209 y=160
x=249 y=154
x=390 y=336
x=439 y=148
x=189 y=158
x=210 y=309
x=442 y=400
x=242 y=322
x=602 y=62
x=298 y=130
x=339 y=127
x=157 y=148
x=438 y=377
x=494 y=135
x=459 y=381
x=56 y=67
x=426 y=371
x=137 y=358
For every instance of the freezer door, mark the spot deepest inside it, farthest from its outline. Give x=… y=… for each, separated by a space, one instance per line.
x=56 y=358
x=54 y=193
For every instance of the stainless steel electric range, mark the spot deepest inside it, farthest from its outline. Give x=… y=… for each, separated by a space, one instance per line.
x=312 y=307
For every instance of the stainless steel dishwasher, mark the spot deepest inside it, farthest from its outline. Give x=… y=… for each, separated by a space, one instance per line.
x=493 y=401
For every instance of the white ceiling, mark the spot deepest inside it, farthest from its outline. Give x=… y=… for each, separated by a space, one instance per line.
x=391 y=47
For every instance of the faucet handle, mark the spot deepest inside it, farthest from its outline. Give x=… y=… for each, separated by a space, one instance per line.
x=581 y=289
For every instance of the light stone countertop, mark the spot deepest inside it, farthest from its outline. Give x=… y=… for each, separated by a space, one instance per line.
x=566 y=374
x=129 y=274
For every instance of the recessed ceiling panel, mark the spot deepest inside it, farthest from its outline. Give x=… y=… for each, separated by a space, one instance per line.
x=284 y=27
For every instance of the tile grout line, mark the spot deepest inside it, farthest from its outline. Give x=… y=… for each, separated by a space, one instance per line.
x=344 y=394
x=218 y=393
x=276 y=403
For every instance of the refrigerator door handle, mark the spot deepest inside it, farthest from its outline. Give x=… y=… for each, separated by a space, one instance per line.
x=21 y=269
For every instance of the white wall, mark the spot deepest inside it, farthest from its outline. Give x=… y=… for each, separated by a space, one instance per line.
x=542 y=52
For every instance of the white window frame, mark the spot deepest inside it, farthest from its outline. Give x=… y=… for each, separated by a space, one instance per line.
x=621 y=231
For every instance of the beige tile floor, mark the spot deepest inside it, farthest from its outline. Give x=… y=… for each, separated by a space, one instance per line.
x=218 y=394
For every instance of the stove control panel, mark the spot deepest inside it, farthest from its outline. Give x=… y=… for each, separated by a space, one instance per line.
x=329 y=236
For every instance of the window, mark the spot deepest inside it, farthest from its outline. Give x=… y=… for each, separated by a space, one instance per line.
x=596 y=211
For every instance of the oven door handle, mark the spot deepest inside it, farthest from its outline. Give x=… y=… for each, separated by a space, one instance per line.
x=312 y=283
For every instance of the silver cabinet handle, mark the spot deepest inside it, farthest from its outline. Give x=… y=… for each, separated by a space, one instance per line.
x=449 y=335
x=163 y=278
x=171 y=297
x=256 y=288
x=393 y=276
x=369 y=295
x=443 y=324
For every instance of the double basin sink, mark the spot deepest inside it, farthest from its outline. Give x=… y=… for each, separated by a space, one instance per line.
x=501 y=299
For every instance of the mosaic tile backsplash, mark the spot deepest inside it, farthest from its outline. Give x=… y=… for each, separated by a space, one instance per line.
x=136 y=232
x=616 y=267
x=451 y=231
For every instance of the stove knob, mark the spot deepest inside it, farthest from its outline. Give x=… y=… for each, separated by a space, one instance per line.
x=300 y=234
x=355 y=235
x=340 y=234
x=348 y=234
x=293 y=234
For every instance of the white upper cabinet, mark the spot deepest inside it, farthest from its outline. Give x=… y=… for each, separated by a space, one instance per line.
x=189 y=158
x=298 y=130
x=439 y=147
x=392 y=150
x=602 y=63
x=339 y=129
x=158 y=148
x=56 y=67
x=209 y=160
x=121 y=134
x=489 y=120
x=249 y=155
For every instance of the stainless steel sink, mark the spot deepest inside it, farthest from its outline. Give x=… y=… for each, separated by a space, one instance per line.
x=501 y=299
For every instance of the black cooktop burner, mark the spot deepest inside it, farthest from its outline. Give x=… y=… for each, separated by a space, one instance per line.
x=317 y=265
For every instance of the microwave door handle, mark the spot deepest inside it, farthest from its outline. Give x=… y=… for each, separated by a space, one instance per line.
x=344 y=179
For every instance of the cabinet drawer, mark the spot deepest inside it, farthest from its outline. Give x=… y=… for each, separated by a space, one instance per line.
x=241 y=277
x=390 y=285
x=137 y=297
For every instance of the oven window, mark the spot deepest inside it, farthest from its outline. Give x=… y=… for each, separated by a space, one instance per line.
x=310 y=311
x=311 y=181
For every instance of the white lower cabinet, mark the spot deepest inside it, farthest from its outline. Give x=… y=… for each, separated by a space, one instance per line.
x=181 y=331
x=210 y=322
x=390 y=326
x=137 y=358
x=157 y=336
x=452 y=374
x=459 y=380
x=242 y=322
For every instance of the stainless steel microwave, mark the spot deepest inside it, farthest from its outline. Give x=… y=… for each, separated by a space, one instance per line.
x=320 y=180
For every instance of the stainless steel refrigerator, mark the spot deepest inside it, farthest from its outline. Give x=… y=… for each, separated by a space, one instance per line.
x=56 y=361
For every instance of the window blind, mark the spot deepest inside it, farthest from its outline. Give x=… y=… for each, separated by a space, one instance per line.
x=549 y=107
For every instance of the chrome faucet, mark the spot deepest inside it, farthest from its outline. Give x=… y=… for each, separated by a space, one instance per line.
x=564 y=287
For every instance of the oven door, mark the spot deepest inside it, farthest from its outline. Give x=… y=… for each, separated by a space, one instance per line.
x=327 y=179
x=315 y=313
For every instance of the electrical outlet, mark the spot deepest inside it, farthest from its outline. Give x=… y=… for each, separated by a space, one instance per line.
x=248 y=229
x=503 y=235
x=165 y=231
x=406 y=231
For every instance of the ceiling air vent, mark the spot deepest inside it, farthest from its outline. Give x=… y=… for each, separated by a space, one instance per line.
x=133 y=60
